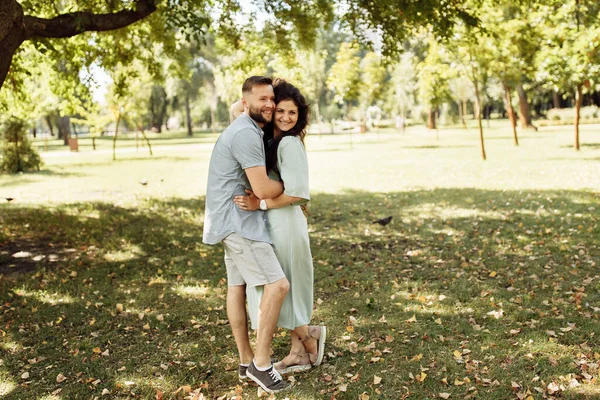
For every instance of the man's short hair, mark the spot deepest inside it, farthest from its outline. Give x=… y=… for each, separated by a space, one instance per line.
x=255 y=81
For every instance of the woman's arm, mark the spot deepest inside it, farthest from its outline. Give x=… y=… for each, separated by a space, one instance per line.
x=251 y=202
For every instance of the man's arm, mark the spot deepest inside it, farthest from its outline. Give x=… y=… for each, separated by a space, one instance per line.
x=262 y=186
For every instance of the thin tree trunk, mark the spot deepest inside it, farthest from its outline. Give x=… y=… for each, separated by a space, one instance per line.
x=115 y=137
x=462 y=110
x=511 y=113
x=431 y=119
x=475 y=81
x=188 y=115
x=524 y=111
x=49 y=122
x=213 y=107
x=478 y=111
x=578 y=102
x=147 y=141
x=318 y=116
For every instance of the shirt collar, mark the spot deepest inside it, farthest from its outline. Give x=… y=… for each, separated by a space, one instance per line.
x=253 y=122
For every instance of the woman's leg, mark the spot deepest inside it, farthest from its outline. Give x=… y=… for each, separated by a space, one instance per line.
x=302 y=343
x=297 y=354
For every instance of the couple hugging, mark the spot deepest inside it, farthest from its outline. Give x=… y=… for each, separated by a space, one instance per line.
x=257 y=181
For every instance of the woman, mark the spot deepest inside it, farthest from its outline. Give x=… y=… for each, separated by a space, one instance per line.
x=286 y=161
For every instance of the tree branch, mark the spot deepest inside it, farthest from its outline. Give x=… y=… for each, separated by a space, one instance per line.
x=72 y=24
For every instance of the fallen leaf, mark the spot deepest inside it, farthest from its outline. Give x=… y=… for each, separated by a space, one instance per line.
x=412 y=319
x=61 y=378
x=376 y=380
x=353 y=347
x=553 y=388
x=25 y=375
x=444 y=395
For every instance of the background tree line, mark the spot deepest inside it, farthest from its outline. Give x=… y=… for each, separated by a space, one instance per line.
x=388 y=60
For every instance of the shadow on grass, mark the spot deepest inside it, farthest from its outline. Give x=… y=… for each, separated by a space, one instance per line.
x=487 y=271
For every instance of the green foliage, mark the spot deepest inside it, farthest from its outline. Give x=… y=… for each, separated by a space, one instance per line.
x=373 y=78
x=344 y=77
x=434 y=73
x=17 y=153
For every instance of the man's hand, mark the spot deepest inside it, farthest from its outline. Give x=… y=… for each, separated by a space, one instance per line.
x=247 y=203
x=262 y=186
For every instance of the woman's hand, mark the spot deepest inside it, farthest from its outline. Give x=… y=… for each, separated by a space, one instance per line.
x=247 y=203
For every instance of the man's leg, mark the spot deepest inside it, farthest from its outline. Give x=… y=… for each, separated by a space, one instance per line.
x=236 y=313
x=268 y=314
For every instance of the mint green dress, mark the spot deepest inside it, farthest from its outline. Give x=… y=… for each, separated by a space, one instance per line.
x=289 y=234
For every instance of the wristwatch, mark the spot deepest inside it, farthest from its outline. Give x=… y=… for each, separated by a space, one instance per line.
x=263 y=205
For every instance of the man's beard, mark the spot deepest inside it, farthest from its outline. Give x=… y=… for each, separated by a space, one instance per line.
x=256 y=115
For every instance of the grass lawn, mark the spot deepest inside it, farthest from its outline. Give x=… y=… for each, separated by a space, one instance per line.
x=484 y=285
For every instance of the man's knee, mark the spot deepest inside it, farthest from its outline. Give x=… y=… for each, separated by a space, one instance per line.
x=281 y=286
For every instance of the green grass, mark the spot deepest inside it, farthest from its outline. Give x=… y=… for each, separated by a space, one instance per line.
x=485 y=279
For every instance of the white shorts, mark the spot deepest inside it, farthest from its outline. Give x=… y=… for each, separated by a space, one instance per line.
x=250 y=262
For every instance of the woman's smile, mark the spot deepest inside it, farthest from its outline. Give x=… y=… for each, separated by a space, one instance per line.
x=286 y=115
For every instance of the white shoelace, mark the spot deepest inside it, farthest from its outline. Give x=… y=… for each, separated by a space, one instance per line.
x=275 y=375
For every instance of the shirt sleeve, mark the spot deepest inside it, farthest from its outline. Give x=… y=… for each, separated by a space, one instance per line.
x=248 y=149
x=293 y=167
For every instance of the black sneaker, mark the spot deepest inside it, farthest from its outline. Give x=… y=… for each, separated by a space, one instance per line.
x=242 y=372
x=269 y=380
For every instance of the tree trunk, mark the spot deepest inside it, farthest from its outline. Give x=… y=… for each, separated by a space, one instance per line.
x=188 y=115
x=478 y=112
x=115 y=137
x=431 y=119
x=578 y=101
x=462 y=110
x=15 y=27
x=64 y=129
x=48 y=119
x=317 y=117
x=213 y=107
x=511 y=113
x=524 y=111
x=146 y=138
x=555 y=99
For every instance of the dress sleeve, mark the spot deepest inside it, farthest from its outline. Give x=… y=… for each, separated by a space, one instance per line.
x=293 y=167
x=248 y=148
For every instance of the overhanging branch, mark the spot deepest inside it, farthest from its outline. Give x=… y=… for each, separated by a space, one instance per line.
x=71 y=24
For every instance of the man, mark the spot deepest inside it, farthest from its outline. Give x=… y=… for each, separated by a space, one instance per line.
x=238 y=163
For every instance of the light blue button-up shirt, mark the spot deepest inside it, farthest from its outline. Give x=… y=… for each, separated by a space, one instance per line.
x=239 y=147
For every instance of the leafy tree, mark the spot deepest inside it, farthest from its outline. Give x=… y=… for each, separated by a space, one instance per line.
x=434 y=73
x=374 y=75
x=570 y=57
x=403 y=86
x=17 y=153
x=344 y=77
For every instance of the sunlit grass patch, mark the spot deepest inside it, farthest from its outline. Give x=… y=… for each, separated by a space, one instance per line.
x=45 y=297
x=11 y=346
x=7 y=385
x=194 y=292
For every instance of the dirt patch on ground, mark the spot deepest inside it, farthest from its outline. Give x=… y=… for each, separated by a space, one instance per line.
x=28 y=255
